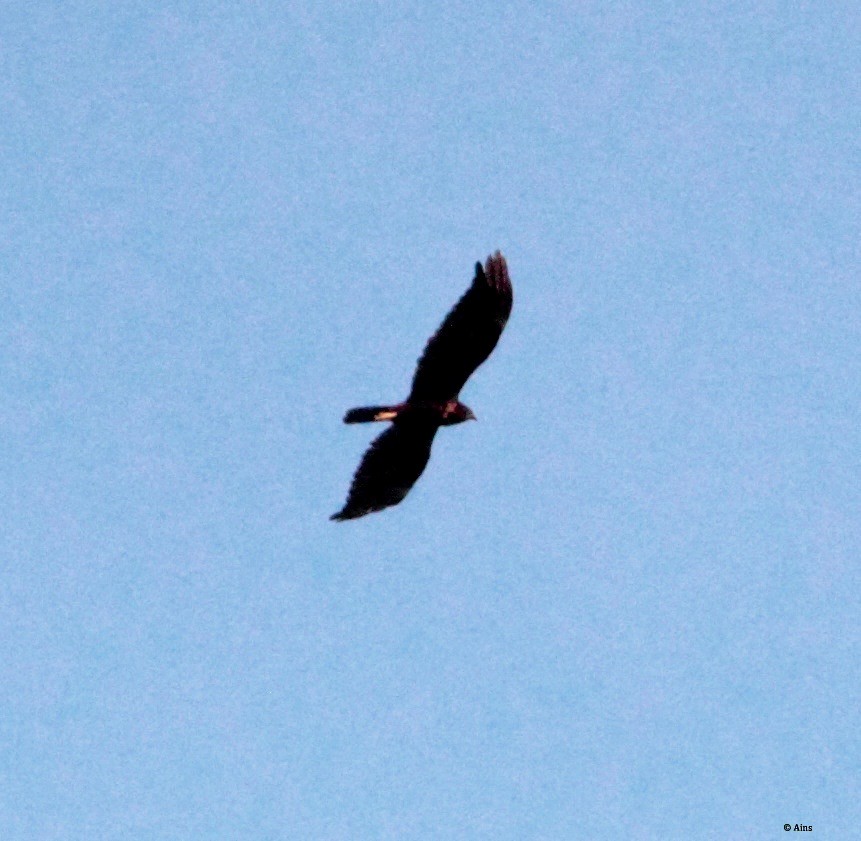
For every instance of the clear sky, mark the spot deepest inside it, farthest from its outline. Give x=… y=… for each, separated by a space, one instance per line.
x=623 y=605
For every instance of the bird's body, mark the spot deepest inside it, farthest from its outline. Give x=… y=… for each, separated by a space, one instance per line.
x=469 y=333
x=451 y=412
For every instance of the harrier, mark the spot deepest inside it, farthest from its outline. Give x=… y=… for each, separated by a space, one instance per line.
x=396 y=459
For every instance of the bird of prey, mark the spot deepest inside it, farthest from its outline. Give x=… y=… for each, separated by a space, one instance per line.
x=396 y=459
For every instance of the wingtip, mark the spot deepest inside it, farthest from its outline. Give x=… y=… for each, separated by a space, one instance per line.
x=493 y=267
x=495 y=260
x=344 y=514
x=496 y=271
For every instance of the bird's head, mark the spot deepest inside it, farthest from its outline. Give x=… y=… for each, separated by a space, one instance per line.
x=456 y=412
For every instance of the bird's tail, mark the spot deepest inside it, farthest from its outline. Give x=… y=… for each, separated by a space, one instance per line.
x=366 y=414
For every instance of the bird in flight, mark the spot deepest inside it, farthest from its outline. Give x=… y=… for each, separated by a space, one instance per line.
x=396 y=459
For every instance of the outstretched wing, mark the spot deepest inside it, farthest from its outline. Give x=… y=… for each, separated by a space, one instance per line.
x=390 y=467
x=467 y=336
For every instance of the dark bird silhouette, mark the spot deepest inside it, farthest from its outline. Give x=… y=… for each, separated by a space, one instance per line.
x=396 y=459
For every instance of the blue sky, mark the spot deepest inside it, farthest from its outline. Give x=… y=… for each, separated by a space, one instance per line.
x=624 y=604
